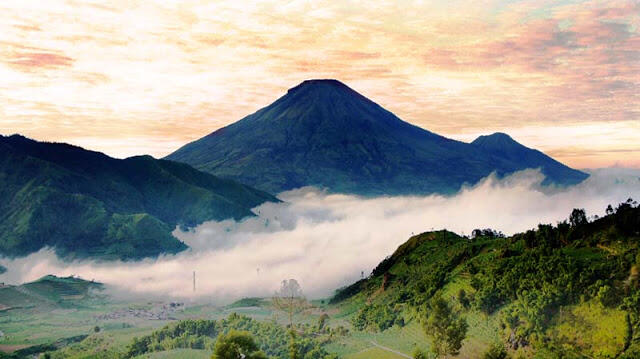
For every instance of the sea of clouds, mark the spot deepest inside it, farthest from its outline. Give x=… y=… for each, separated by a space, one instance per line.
x=326 y=241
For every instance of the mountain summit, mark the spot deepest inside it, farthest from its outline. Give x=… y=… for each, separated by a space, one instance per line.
x=323 y=133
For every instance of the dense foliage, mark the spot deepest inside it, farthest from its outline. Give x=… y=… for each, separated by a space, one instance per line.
x=377 y=317
x=236 y=344
x=447 y=328
x=271 y=338
x=525 y=280
x=86 y=204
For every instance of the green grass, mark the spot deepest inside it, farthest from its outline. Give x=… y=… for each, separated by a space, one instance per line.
x=248 y=302
x=591 y=329
x=178 y=354
x=374 y=353
x=403 y=339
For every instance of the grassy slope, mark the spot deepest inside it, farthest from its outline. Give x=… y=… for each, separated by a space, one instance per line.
x=49 y=291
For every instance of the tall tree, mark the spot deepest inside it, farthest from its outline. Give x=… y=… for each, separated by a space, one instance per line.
x=578 y=217
x=290 y=299
x=446 y=327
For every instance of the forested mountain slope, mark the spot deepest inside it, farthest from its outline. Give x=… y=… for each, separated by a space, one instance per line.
x=569 y=290
x=87 y=204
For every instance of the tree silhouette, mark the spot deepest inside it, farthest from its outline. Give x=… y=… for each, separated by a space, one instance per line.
x=578 y=217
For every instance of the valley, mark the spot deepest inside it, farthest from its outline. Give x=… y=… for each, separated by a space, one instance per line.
x=584 y=303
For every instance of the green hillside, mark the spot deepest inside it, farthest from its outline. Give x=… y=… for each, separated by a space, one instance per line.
x=86 y=204
x=49 y=291
x=565 y=291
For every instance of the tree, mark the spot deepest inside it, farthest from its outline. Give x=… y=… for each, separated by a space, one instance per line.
x=419 y=354
x=294 y=351
x=322 y=321
x=496 y=351
x=447 y=328
x=463 y=299
x=578 y=217
x=607 y=296
x=237 y=345
x=289 y=299
x=609 y=210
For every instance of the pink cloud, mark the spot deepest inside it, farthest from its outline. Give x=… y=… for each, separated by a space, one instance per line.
x=30 y=60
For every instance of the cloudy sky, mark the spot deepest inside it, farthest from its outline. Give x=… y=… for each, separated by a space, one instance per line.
x=132 y=77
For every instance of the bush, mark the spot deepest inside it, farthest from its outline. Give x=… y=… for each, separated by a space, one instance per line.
x=419 y=354
x=496 y=351
x=607 y=296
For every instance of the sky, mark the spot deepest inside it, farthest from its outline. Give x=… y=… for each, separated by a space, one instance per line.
x=134 y=77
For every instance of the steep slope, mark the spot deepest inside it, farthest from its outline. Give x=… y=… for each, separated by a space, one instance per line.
x=325 y=134
x=86 y=204
x=569 y=290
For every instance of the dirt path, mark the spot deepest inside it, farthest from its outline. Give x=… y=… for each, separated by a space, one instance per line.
x=8 y=348
x=390 y=350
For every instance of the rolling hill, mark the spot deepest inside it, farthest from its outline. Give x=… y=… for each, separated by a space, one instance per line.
x=46 y=291
x=322 y=133
x=87 y=204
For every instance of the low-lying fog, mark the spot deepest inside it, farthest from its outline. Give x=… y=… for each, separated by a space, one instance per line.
x=326 y=241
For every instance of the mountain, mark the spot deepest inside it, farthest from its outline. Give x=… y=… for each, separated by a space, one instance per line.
x=566 y=291
x=323 y=133
x=87 y=204
x=503 y=146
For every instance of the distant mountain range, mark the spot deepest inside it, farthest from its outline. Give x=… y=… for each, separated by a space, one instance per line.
x=322 y=133
x=87 y=204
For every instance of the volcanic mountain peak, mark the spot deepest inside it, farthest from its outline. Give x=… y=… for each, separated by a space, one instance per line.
x=320 y=83
x=323 y=133
x=332 y=100
x=495 y=141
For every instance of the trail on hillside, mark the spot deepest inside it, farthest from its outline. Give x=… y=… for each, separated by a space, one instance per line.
x=390 y=350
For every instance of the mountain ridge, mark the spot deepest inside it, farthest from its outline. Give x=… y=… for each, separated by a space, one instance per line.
x=87 y=204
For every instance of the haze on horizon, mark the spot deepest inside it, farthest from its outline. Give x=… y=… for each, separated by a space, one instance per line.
x=131 y=78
